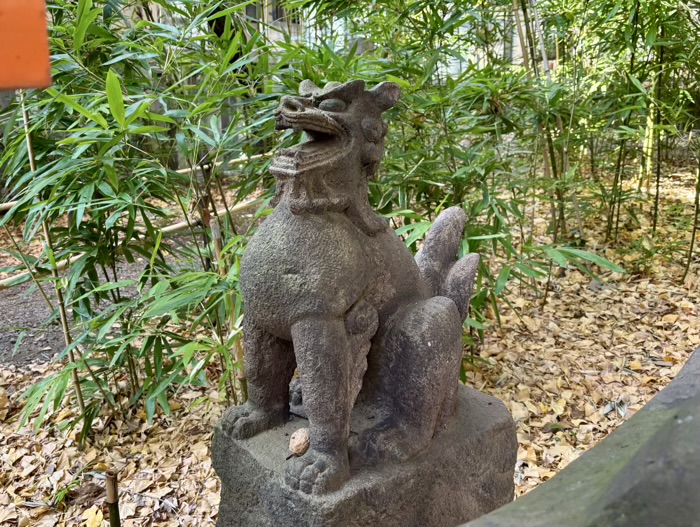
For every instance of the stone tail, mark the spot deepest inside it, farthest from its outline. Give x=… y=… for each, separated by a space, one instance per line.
x=459 y=283
x=437 y=260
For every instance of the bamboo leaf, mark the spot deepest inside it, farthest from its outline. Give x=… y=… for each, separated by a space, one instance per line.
x=69 y=101
x=86 y=16
x=556 y=256
x=638 y=84
x=502 y=279
x=593 y=258
x=115 y=98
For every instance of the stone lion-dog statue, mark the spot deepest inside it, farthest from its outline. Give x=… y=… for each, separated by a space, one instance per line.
x=331 y=290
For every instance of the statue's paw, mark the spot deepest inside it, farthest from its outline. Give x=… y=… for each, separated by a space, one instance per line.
x=317 y=473
x=242 y=422
x=384 y=443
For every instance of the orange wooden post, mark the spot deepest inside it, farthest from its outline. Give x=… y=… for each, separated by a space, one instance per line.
x=24 y=45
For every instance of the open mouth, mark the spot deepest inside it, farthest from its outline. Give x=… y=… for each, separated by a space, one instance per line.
x=324 y=141
x=320 y=132
x=315 y=136
x=314 y=140
x=315 y=123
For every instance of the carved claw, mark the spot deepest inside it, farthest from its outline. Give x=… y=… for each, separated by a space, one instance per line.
x=316 y=472
x=243 y=422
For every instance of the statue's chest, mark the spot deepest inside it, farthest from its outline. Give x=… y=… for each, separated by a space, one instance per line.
x=315 y=263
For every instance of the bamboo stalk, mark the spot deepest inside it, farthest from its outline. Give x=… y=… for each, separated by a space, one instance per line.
x=29 y=269
x=241 y=375
x=203 y=207
x=4 y=207
x=235 y=161
x=695 y=222
x=63 y=315
x=221 y=267
x=521 y=37
x=547 y=169
x=647 y=149
x=613 y=220
x=112 y=499
x=565 y=168
x=54 y=271
x=543 y=50
x=11 y=281
x=657 y=134
x=529 y=37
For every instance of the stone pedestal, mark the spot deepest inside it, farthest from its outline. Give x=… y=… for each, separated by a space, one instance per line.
x=466 y=472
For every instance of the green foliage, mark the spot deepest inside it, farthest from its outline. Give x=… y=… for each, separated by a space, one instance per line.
x=128 y=100
x=148 y=99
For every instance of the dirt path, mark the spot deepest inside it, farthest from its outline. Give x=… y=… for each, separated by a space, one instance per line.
x=23 y=311
x=22 y=315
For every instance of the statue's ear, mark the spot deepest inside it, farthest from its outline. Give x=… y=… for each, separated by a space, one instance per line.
x=307 y=88
x=386 y=95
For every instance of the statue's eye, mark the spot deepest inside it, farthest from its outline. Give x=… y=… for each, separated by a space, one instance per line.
x=332 y=105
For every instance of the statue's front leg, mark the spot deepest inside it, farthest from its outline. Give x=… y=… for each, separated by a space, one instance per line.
x=323 y=356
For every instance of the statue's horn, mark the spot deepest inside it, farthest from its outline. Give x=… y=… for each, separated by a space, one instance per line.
x=332 y=85
x=308 y=88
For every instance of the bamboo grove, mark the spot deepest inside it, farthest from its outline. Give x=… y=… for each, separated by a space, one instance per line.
x=162 y=112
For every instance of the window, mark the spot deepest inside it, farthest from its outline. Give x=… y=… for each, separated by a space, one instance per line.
x=251 y=11
x=277 y=10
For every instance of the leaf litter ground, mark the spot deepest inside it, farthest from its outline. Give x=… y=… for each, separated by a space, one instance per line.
x=570 y=370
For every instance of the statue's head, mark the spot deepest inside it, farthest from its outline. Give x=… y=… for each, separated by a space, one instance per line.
x=340 y=120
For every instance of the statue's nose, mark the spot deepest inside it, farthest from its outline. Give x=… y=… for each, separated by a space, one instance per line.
x=292 y=104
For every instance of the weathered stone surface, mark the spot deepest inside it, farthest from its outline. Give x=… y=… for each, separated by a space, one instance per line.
x=466 y=471
x=332 y=291
x=645 y=474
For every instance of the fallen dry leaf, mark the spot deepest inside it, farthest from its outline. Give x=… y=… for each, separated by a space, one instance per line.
x=93 y=517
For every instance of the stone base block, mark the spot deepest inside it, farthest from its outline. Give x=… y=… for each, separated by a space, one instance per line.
x=466 y=472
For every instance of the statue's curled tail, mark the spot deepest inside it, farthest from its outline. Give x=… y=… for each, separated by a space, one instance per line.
x=437 y=260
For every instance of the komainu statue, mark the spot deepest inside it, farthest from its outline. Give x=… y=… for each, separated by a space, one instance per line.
x=332 y=291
